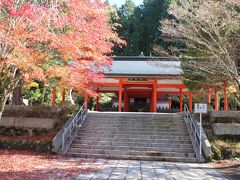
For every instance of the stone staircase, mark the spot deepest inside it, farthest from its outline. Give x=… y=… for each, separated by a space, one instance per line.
x=139 y=136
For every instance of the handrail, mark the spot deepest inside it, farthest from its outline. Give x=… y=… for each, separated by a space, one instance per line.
x=194 y=132
x=72 y=128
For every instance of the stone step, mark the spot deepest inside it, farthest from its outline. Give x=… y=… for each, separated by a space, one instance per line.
x=133 y=114
x=135 y=148
x=132 y=152
x=169 y=140
x=121 y=125
x=103 y=126
x=133 y=157
x=136 y=116
x=131 y=134
x=149 y=136
x=132 y=131
x=135 y=144
x=126 y=119
x=142 y=136
x=128 y=125
x=131 y=123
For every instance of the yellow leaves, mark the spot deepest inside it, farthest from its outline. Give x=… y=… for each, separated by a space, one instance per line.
x=30 y=85
x=232 y=89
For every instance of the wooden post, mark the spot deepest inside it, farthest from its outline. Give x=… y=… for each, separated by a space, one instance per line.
x=190 y=102
x=151 y=102
x=63 y=95
x=225 y=96
x=97 y=101
x=120 y=97
x=209 y=97
x=216 y=100
x=181 y=101
x=155 y=96
x=85 y=101
x=125 y=100
x=53 y=97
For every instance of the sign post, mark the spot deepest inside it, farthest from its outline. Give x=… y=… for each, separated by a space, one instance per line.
x=200 y=108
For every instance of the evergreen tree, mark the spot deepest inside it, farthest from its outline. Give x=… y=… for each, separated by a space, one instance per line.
x=126 y=14
x=140 y=27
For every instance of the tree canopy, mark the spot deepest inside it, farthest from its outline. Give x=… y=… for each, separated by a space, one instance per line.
x=68 y=40
x=140 y=27
x=211 y=32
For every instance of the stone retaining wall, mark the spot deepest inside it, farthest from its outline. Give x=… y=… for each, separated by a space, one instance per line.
x=225 y=117
x=33 y=123
x=233 y=114
x=226 y=128
x=225 y=122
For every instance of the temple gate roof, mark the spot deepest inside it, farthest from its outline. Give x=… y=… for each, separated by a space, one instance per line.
x=144 y=66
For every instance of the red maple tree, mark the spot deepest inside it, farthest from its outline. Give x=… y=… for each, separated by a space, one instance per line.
x=85 y=39
x=33 y=32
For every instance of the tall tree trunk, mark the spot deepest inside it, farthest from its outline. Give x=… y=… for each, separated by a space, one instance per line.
x=17 y=91
x=10 y=77
x=18 y=95
x=69 y=100
x=2 y=105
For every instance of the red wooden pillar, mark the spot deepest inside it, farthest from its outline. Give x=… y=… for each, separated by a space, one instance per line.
x=53 y=97
x=120 y=97
x=181 y=101
x=225 y=96
x=151 y=102
x=63 y=95
x=190 y=103
x=209 y=97
x=85 y=101
x=216 y=100
x=155 y=96
x=97 y=101
x=125 y=100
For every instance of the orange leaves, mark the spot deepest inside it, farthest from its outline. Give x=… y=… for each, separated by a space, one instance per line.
x=85 y=43
x=77 y=30
x=22 y=31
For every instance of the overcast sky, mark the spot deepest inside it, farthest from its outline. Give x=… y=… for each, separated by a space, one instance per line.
x=120 y=2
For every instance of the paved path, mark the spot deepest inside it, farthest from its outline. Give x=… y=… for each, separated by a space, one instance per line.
x=150 y=170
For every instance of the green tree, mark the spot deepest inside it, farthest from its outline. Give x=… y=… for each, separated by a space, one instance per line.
x=153 y=12
x=140 y=27
x=127 y=28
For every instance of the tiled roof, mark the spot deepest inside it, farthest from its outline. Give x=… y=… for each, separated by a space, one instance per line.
x=144 y=66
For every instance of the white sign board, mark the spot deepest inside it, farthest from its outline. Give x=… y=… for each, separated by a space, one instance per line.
x=200 y=108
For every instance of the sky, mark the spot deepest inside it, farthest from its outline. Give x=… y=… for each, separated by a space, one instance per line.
x=120 y=2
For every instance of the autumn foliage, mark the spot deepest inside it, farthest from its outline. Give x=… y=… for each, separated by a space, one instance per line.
x=68 y=40
x=85 y=40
